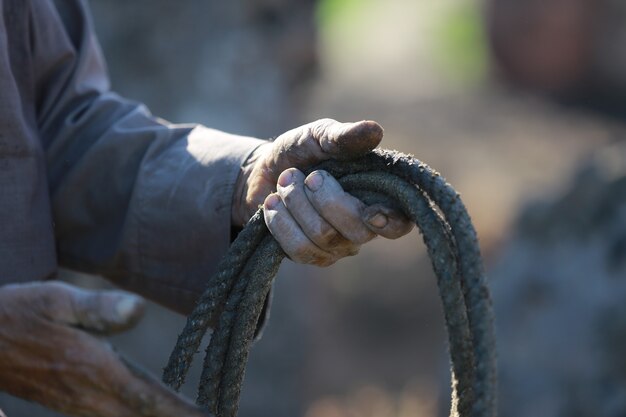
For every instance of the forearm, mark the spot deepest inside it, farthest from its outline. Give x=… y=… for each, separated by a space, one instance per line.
x=141 y=201
x=145 y=203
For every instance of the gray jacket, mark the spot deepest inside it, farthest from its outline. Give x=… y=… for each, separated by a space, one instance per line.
x=94 y=182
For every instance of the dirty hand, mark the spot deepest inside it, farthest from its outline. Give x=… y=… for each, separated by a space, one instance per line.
x=50 y=353
x=311 y=217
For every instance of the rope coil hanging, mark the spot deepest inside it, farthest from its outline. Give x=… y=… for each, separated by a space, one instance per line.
x=237 y=292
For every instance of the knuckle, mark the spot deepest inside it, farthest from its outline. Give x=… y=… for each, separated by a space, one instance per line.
x=302 y=252
x=51 y=298
x=354 y=250
x=320 y=125
x=328 y=261
x=359 y=234
x=321 y=128
x=345 y=251
x=327 y=201
x=306 y=252
x=362 y=235
x=329 y=237
x=52 y=292
x=325 y=121
x=334 y=242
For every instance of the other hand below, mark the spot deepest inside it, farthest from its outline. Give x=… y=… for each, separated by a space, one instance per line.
x=51 y=353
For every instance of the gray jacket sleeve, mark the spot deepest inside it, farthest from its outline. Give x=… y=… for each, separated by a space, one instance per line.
x=139 y=200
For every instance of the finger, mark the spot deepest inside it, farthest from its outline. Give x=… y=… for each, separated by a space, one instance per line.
x=319 y=231
x=347 y=140
x=291 y=238
x=114 y=387
x=97 y=311
x=108 y=311
x=67 y=369
x=386 y=222
x=337 y=207
x=325 y=139
x=150 y=397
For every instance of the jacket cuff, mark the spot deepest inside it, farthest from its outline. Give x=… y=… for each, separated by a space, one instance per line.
x=185 y=193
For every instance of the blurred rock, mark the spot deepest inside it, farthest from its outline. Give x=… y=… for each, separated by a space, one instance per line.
x=560 y=299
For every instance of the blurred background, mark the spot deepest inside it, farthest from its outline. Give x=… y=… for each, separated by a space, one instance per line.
x=519 y=103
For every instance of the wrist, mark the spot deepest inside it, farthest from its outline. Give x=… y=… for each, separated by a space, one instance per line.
x=242 y=207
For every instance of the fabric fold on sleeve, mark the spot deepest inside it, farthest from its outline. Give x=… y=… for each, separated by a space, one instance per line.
x=141 y=201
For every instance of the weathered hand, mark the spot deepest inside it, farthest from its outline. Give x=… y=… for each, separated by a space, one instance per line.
x=49 y=353
x=312 y=218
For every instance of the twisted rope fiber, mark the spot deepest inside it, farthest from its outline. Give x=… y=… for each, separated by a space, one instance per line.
x=236 y=295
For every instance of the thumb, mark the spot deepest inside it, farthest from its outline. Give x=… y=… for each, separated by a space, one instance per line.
x=347 y=140
x=97 y=311
x=324 y=139
x=107 y=311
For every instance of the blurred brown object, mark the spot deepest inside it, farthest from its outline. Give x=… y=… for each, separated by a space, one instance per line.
x=566 y=48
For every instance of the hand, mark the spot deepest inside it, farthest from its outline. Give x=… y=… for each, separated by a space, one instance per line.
x=312 y=218
x=49 y=353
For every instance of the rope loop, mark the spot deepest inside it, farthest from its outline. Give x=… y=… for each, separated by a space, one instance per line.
x=237 y=292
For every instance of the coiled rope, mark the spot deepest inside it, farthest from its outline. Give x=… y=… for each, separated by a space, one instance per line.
x=238 y=291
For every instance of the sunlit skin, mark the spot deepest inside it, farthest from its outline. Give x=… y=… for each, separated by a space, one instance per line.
x=52 y=353
x=312 y=218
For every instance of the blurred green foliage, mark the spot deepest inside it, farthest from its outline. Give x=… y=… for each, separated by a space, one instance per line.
x=329 y=11
x=460 y=43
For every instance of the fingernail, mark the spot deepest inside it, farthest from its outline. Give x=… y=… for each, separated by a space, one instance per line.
x=285 y=178
x=378 y=220
x=314 y=181
x=271 y=201
x=127 y=306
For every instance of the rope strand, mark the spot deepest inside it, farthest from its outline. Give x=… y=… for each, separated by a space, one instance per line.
x=239 y=289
